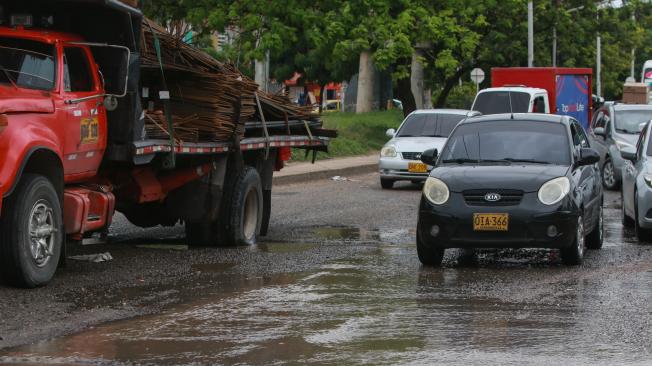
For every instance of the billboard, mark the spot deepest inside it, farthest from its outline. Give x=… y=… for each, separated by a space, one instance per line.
x=572 y=97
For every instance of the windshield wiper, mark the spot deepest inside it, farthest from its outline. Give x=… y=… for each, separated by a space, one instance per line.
x=533 y=161
x=626 y=131
x=435 y=136
x=476 y=161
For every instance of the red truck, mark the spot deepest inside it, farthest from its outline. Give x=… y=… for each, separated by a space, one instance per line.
x=558 y=90
x=73 y=147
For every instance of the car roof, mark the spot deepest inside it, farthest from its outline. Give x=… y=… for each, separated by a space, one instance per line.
x=631 y=107
x=535 y=117
x=519 y=89
x=444 y=111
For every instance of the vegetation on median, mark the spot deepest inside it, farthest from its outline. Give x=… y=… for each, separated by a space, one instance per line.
x=359 y=134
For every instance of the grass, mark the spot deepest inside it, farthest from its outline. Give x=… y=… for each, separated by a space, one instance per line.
x=359 y=134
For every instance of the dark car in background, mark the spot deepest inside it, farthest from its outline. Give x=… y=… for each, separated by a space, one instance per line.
x=616 y=127
x=512 y=181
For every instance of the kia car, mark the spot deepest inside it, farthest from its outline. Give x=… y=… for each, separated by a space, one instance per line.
x=614 y=127
x=637 y=186
x=512 y=181
x=421 y=130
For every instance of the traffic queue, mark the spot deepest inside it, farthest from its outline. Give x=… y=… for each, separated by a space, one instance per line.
x=526 y=167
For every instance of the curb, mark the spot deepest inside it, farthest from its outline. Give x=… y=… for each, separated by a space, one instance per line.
x=325 y=174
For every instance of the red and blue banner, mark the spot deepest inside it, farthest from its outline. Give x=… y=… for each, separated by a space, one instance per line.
x=572 y=97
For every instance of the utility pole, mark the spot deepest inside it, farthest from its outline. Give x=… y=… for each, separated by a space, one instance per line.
x=554 y=46
x=530 y=34
x=598 y=61
x=631 y=71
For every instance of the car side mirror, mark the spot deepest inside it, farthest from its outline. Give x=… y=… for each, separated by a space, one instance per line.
x=588 y=156
x=390 y=133
x=628 y=153
x=429 y=156
x=600 y=131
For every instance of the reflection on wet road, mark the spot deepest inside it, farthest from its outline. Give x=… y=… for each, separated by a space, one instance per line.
x=381 y=307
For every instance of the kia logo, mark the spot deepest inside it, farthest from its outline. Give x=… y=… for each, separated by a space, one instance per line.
x=492 y=197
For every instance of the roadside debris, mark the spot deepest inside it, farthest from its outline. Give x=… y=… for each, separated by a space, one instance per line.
x=338 y=178
x=95 y=258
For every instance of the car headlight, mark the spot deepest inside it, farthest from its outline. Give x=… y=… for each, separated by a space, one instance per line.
x=622 y=144
x=648 y=179
x=554 y=190
x=388 y=152
x=436 y=191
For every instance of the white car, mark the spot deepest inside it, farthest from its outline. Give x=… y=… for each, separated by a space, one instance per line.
x=421 y=130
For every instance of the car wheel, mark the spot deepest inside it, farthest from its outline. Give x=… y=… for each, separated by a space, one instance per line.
x=596 y=236
x=627 y=221
x=428 y=255
x=641 y=233
x=386 y=183
x=609 y=175
x=574 y=254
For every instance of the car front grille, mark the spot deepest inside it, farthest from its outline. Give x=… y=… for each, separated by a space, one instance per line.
x=508 y=197
x=411 y=155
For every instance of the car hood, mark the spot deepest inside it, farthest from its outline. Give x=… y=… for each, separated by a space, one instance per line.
x=629 y=138
x=527 y=178
x=417 y=144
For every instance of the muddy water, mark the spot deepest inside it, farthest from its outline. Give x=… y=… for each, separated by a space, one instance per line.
x=382 y=307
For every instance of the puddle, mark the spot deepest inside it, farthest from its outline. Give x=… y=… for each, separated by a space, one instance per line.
x=273 y=247
x=344 y=233
x=213 y=267
x=179 y=247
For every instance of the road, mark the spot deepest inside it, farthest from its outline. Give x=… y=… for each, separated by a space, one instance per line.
x=336 y=282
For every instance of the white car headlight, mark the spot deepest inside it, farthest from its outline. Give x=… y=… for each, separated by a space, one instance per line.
x=554 y=190
x=388 y=152
x=436 y=191
x=622 y=144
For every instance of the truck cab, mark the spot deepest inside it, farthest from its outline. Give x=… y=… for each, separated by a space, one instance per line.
x=511 y=99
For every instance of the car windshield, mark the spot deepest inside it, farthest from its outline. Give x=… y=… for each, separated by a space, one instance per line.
x=629 y=121
x=496 y=102
x=27 y=64
x=508 y=142
x=429 y=125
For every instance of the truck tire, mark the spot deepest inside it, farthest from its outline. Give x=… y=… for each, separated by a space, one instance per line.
x=246 y=208
x=31 y=233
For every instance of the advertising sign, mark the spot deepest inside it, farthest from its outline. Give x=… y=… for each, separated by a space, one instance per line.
x=573 y=97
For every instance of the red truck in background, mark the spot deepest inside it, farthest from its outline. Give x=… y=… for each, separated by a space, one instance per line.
x=557 y=90
x=73 y=147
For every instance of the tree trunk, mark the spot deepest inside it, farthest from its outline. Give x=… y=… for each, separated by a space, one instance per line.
x=448 y=85
x=404 y=94
x=322 y=88
x=365 y=99
x=416 y=79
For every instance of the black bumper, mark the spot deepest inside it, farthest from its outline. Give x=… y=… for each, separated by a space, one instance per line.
x=528 y=224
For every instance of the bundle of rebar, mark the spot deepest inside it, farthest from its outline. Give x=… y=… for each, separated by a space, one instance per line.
x=206 y=89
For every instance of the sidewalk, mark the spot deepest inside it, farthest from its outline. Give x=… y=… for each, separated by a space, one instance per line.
x=295 y=172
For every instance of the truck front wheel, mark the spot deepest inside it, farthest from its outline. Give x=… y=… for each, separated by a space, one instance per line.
x=31 y=233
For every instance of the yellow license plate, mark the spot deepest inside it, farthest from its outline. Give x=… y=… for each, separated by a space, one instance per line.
x=417 y=168
x=490 y=222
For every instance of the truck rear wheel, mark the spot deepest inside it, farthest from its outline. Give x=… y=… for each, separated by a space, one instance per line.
x=31 y=233
x=246 y=209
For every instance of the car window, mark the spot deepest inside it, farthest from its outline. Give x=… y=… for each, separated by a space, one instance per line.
x=579 y=137
x=76 y=71
x=628 y=121
x=524 y=140
x=539 y=105
x=599 y=120
x=429 y=125
x=28 y=64
x=495 y=102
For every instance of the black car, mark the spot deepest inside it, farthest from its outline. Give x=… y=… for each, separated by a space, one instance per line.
x=512 y=181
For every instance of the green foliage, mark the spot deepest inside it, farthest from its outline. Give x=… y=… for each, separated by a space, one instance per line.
x=358 y=133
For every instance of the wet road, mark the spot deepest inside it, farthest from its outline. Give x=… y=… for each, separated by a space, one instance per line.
x=338 y=282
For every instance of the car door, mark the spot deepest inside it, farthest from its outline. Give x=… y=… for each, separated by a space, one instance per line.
x=85 y=124
x=631 y=170
x=588 y=177
x=598 y=142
